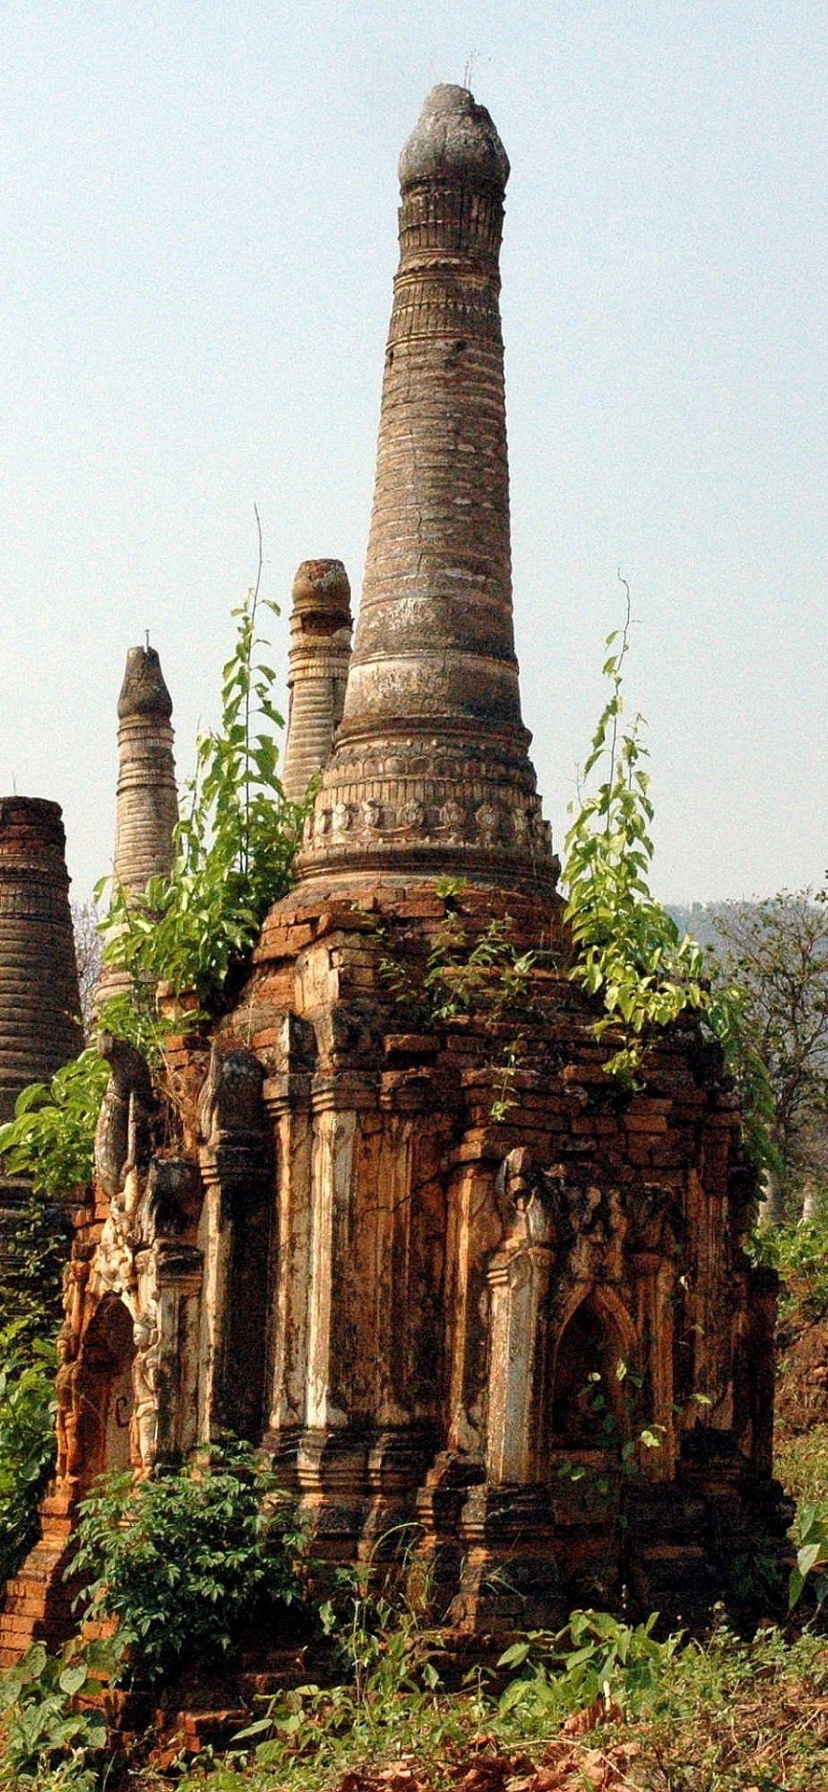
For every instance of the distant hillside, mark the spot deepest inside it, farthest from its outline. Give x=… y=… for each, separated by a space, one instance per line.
x=699 y=918
x=696 y=918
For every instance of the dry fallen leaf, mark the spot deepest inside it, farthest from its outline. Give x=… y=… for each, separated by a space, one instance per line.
x=599 y=1712
x=491 y=1773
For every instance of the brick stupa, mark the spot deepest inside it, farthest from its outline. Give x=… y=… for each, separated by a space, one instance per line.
x=146 y=804
x=400 y=1243
x=39 y=1000
x=320 y=649
x=430 y=771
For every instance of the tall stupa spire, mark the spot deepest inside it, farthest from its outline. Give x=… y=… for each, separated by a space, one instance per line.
x=147 y=802
x=147 y=798
x=320 y=648
x=430 y=769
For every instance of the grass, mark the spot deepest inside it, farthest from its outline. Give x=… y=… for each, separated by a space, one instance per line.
x=801 y=1463
x=724 y=1716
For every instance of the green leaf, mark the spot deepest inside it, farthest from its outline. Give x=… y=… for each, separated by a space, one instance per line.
x=808 y=1556
x=515 y=1655
x=73 y=1678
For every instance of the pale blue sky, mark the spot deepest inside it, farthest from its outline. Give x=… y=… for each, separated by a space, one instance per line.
x=198 y=238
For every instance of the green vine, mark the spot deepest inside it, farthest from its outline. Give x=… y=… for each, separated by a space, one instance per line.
x=628 y=950
x=458 y=975
x=27 y=1438
x=234 y=848
x=50 y=1139
x=234 y=844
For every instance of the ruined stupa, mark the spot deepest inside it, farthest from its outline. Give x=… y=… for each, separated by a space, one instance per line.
x=146 y=803
x=39 y=1000
x=320 y=649
x=399 y=1243
x=147 y=798
x=430 y=772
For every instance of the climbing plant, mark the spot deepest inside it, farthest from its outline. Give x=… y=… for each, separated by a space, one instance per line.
x=234 y=843
x=234 y=848
x=628 y=950
x=462 y=973
x=51 y=1136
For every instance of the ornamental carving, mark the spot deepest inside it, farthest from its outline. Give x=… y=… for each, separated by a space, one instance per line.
x=524 y=1203
x=123 y=1137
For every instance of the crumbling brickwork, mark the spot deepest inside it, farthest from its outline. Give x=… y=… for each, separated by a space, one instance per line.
x=429 y=1255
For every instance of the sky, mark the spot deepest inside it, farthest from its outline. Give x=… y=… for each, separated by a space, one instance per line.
x=198 y=234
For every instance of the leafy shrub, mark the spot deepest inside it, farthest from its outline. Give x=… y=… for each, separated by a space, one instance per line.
x=800 y=1253
x=628 y=950
x=801 y=1463
x=52 y=1135
x=596 y=1657
x=27 y=1422
x=392 y=1701
x=810 y=1535
x=48 y=1743
x=34 y=1256
x=386 y=1658
x=187 y=1562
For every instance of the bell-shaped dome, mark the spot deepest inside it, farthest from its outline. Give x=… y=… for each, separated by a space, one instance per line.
x=453 y=136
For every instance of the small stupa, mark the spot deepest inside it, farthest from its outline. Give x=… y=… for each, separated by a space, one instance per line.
x=39 y=1000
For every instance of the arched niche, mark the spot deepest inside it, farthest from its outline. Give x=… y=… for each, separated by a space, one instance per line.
x=105 y=1390
x=587 y=1406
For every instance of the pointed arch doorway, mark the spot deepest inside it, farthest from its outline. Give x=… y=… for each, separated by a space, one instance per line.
x=105 y=1390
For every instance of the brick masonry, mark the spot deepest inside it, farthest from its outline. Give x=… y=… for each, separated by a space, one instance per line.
x=400 y=1250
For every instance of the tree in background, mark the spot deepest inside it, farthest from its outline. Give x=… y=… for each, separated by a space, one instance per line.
x=89 y=956
x=777 y=952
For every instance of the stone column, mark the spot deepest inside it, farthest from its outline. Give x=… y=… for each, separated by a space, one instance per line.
x=654 y=1282
x=320 y=648
x=39 y=1000
x=235 y=1242
x=332 y=1216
